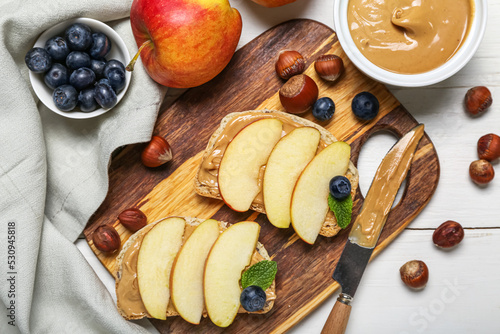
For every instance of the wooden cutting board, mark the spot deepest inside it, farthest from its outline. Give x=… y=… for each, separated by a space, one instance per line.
x=249 y=82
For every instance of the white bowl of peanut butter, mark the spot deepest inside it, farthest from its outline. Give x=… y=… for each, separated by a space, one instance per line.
x=410 y=43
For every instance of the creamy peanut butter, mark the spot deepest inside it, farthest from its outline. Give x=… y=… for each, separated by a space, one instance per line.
x=208 y=172
x=409 y=36
x=127 y=291
x=390 y=174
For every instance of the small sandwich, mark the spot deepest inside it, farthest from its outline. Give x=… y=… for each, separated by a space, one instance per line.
x=193 y=268
x=278 y=164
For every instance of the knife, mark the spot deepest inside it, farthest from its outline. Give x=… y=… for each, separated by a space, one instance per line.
x=368 y=225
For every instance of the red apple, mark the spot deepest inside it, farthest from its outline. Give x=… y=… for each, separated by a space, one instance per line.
x=273 y=3
x=184 y=43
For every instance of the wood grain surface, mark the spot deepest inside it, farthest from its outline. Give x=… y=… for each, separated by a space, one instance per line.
x=249 y=82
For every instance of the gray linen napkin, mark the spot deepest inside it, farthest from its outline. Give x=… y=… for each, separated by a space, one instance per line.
x=53 y=176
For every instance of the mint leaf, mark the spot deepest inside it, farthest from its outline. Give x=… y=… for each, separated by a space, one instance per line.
x=342 y=209
x=261 y=274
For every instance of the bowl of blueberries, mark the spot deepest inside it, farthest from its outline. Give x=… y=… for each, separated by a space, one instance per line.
x=77 y=68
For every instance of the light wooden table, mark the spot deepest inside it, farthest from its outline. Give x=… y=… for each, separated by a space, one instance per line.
x=463 y=293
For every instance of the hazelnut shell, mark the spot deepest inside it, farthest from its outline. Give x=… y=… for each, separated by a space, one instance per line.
x=133 y=219
x=289 y=63
x=414 y=274
x=448 y=234
x=298 y=94
x=481 y=171
x=157 y=152
x=329 y=67
x=477 y=100
x=488 y=147
x=106 y=239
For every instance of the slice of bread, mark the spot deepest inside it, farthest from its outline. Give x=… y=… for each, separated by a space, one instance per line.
x=126 y=284
x=330 y=227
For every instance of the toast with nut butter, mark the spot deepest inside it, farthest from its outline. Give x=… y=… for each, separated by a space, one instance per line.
x=164 y=269
x=254 y=160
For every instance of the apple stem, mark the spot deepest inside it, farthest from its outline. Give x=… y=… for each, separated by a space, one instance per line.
x=130 y=66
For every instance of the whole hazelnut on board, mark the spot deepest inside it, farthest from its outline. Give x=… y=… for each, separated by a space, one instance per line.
x=133 y=219
x=106 y=239
x=477 y=100
x=157 y=152
x=298 y=94
x=488 y=147
x=329 y=67
x=481 y=171
x=414 y=274
x=289 y=63
x=448 y=234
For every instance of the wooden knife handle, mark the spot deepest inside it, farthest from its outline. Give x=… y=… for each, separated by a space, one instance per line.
x=338 y=318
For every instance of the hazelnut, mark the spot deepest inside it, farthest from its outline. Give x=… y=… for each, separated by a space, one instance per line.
x=488 y=147
x=298 y=94
x=106 y=239
x=414 y=274
x=481 y=171
x=133 y=219
x=478 y=99
x=289 y=63
x=448 y=234
x=156 y=153
x=329 y=67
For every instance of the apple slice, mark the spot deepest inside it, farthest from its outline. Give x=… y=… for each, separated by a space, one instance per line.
x=310 y=196
x=186 y=281
x=244 y=156
x=154 y=262
x=287 y=160
x=229 y=256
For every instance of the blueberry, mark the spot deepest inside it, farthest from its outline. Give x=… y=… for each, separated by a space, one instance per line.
x=365 y=106
x=57 y=48
x=100 y=45
x=58 y=75
x=77 y=59
x=82 y=78
x=253 y=298
x=78 y=36
x=38 y=60
x=65 y=97
x=105 y=95
x=104 y=81
x=112 y=64
x=323 y=109
x=116 y=77
x=98 y=67
x=340 y=187
x=87 y=100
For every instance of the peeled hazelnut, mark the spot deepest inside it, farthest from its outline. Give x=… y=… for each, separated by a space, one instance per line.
x=289 y=63
x=298 y=94
x=329 y=67
x=106 y=239
x=481 y=171
x=157 y=152
x=133 y=219
x=414 y=274
x=478 y=99
x=448 y=234
x=488 y=147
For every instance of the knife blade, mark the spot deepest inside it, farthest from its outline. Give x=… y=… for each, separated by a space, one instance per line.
x=368 y=225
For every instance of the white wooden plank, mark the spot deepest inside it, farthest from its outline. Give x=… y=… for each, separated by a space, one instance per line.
x=462 y=295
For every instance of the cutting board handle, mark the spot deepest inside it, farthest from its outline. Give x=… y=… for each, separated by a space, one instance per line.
x=339 y=316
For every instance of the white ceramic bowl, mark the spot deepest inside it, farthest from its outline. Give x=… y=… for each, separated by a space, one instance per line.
x=118 y=51
x=441 y=73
